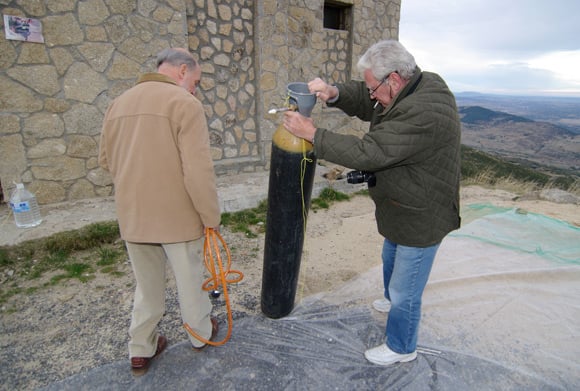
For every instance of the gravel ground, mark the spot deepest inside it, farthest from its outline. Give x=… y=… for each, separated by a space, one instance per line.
x=67 y=329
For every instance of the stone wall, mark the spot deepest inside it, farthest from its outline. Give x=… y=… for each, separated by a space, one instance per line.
x=53 y=95
x=221 y=34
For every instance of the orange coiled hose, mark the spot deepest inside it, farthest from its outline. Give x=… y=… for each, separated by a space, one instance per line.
x=212 y=256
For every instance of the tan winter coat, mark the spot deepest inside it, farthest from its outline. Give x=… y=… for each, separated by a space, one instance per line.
x=155 y=144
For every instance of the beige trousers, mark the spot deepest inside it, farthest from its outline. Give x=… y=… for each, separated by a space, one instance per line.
x=149 y=265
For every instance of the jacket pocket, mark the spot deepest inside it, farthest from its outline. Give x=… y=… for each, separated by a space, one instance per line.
x=406 y=206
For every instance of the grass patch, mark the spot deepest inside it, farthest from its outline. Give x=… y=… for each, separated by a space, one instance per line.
x=252 y=222
x=96 y=244
x=5 y=259
x=5 y=294
x=108 y=256
x=327 y=197
x=112 y=271
x=80 y=271
x=480 y=168
x=49 y=262
x=88 y=237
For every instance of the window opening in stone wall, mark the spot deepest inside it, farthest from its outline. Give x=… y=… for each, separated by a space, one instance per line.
x=337 y=15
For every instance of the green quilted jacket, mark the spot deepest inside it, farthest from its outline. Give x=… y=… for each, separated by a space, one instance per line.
x=413 y=148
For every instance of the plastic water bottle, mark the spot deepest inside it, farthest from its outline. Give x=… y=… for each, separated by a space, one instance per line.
x=25 y=208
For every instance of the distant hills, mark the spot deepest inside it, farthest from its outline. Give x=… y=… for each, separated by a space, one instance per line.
x=474 y=115
x=561 y=111
x=511 y=134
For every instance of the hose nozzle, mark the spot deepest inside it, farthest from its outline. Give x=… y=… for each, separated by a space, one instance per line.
x=283 y=109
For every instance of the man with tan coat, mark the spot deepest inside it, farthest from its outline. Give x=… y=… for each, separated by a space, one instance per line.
x=155 y=144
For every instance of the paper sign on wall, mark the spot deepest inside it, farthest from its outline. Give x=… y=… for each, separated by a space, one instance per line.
x=20 y=28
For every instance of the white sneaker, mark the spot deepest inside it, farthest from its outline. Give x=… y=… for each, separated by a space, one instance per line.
x=382 y=355
x=382 y=305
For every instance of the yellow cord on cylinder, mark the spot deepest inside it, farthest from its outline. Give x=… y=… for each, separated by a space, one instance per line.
x=303 y=163
x=213 y=239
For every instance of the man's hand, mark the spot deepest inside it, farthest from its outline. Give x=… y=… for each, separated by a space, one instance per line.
x=215 y=229
x=299 y=125
x=323 y=90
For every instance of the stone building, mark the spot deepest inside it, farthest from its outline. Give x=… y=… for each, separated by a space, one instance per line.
x=53 y=95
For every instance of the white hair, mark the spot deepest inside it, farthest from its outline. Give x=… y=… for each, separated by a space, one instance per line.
x=385 y=57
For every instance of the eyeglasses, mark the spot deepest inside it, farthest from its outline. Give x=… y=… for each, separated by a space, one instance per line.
x=372 y=91
x=383 y=80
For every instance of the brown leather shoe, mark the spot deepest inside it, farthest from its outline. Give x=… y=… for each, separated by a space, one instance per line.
x=214 y=331
x=140 y=365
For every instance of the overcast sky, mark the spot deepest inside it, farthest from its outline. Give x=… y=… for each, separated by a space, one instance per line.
x=523 y=47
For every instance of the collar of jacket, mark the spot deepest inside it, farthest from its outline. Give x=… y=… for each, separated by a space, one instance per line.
x=408 y=90
x=154 y=76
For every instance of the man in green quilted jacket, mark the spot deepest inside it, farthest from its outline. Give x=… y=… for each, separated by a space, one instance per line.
x=410 y=157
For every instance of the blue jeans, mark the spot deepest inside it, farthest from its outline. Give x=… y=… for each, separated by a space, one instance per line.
x=405 y=274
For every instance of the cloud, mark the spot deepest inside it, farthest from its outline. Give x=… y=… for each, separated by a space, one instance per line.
x=492 y=45
x=507 y=78
x=494 y=25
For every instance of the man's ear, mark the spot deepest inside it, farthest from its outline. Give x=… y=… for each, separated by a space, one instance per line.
x=396 y=79
x=182 y=71
x=397 y=82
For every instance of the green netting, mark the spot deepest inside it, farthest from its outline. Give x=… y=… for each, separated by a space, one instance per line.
x=523 y=231
x=475 y=211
